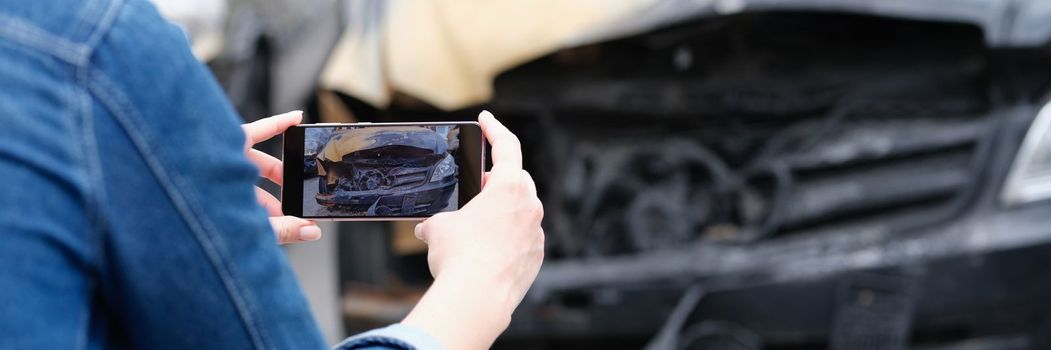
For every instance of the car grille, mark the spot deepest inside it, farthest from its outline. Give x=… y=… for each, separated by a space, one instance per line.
x=888 y=163
x=869 y=170
x=405 y=178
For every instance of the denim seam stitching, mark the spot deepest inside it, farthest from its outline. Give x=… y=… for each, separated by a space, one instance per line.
x=104 y=90
x=94 y=22
x=76 y=124
x=19 y=31
x=83 y=23
x=247 y=298
x=103 y=25
x=96 y=194
x=93 y=163
x=101 y=17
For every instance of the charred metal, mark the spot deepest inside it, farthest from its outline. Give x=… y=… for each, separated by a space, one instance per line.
x=831 y=186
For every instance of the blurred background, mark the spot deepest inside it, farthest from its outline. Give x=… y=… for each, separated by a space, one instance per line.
x=716 y=174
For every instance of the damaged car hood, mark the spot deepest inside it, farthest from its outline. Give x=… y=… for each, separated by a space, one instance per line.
x=355 y=140
x=409 y=46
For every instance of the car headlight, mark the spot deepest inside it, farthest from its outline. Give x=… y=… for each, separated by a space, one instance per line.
x=445 y=168
x=1030 y=176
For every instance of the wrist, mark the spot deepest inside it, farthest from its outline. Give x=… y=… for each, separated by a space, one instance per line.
x=488 y=289
x=464 y=308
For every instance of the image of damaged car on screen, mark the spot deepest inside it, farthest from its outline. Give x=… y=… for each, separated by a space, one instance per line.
x=380 y=171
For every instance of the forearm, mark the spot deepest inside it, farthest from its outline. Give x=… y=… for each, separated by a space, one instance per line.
x=464 y=310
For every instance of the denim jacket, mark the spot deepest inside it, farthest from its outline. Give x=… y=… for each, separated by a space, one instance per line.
x=128 y=217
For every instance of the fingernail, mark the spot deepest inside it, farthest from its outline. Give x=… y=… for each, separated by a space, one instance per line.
x=309 y=233
x=297 y=113
x=486 y=113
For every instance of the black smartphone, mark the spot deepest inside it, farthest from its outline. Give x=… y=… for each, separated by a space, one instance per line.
x=381 y=171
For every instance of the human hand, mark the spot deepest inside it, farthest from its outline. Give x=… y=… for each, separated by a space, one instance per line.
x=499 y=230
x=288 y=229
x=484 y=256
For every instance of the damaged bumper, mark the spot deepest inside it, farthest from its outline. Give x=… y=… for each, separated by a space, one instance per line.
x=426 y=199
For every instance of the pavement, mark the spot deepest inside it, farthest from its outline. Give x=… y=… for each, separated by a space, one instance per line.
x=310 y=206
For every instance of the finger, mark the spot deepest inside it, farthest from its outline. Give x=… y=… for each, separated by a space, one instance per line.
x=542 y=237
x=269 y=167
x=507 y=150
x=422 y=233
x=536 y=210
x=529 y=183
x=290 y=229
x=263 y=129
x=268 y=201
x=485 y=178
x=418 y=232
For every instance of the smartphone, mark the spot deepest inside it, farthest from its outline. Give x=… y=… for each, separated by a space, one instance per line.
x=381 y=171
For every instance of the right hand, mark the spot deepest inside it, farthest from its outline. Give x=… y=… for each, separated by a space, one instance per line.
x=495 y=241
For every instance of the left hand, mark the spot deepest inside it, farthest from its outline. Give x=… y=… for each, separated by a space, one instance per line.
x=288 y=229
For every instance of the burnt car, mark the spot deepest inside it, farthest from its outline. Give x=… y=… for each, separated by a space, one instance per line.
x=312 y=146
x=390 y=171
x=789 y=178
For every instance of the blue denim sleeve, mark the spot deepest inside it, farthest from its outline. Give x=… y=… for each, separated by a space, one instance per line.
x=128 y=218
x=397 y=336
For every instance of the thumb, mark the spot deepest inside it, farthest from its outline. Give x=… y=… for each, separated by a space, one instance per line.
x=418 y=232
x=422 y=230
x=290 y=229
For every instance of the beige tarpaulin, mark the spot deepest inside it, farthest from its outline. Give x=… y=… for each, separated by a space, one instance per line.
x=446 y=52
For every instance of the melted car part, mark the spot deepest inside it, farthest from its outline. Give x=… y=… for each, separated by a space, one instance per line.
x=777 y=160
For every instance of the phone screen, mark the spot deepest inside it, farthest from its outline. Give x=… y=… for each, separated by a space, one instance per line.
x=380 y=170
